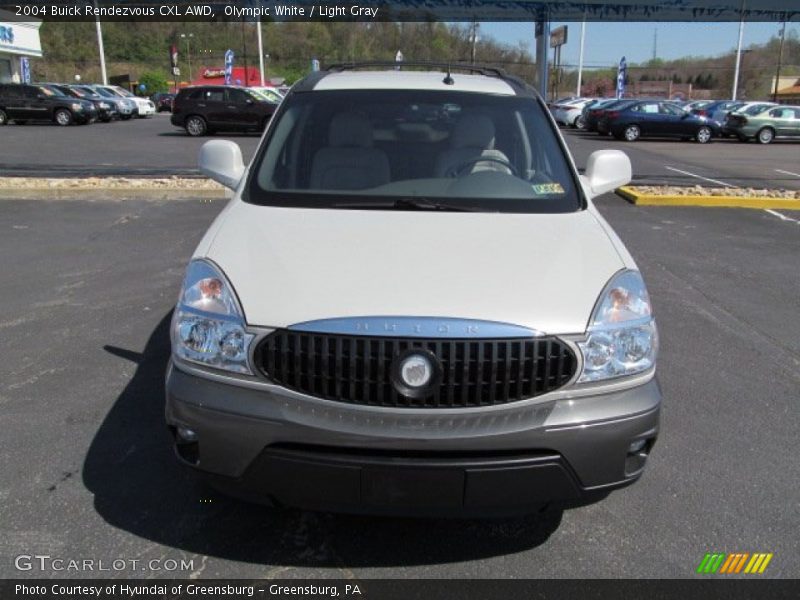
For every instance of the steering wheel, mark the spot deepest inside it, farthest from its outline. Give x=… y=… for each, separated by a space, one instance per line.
x=459 y=169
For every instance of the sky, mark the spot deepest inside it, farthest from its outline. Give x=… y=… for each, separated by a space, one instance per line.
x=606 y=43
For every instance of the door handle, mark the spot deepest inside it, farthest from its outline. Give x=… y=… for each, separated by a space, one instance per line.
x=231 y=106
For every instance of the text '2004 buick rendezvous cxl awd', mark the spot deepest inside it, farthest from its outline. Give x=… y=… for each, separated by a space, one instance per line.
x=411 y=306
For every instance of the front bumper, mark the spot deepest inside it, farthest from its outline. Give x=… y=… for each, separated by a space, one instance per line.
x=274 y=446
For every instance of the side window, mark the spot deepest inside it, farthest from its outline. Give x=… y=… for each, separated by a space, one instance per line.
x=30 y=92
x=214 y=95
x=237 y=96
x=776 y=113
x=649 y=108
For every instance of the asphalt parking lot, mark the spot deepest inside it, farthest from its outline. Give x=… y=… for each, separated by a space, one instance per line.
x=87 y=291
x=153 y=146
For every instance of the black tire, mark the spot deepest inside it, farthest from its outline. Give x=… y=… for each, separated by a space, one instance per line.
x=106 y=119
x=196 y=126
x=765 y=135
x=63 y=117
x=631 y=133
x=125 y=117
x=704 y=135
x=3 y=117
x=579 y=123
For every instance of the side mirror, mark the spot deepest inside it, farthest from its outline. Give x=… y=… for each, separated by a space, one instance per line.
x=221 y=160
x=606 y=170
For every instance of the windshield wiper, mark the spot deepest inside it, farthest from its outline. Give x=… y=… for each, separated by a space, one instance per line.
x=410 y=204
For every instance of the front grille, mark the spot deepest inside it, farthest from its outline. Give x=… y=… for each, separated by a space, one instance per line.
x=357 y=369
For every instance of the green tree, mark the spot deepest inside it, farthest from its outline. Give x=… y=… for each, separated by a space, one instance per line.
x=154 y=82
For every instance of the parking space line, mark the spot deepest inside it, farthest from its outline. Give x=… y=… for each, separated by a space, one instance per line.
x=781 y=216
x=787 y=172
x=730 y=185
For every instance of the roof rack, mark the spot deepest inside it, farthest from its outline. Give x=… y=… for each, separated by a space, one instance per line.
x=481 y=69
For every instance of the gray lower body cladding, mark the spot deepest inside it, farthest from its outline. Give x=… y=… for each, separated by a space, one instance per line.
x=276 y=447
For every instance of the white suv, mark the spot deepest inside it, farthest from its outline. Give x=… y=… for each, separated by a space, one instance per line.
x=411 y=306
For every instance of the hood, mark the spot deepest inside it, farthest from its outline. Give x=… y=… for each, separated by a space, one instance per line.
x=542 y=271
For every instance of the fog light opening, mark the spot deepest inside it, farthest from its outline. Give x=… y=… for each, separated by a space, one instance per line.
x=186 y=435
x=637 y=446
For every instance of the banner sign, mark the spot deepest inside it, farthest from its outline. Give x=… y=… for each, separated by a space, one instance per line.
x=26 y=69
x=228 y=66
x=622 y=69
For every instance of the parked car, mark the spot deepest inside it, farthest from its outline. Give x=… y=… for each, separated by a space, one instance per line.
x=163 y=101
x=595 y=112
x=570 y=112
x=747 y=109
x=144 y=106
x=270 y=93
x=654 y=118
x=22 y=103
x=333 y=347
x=106 y=110
x=126 y=107
x=205 y=109
x=778 y=122
x=696 y=105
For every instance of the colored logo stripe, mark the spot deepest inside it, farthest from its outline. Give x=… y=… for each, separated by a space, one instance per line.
x=719 y=562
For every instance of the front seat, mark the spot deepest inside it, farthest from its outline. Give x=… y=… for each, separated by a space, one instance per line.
x=472 y=138
x=349 y=162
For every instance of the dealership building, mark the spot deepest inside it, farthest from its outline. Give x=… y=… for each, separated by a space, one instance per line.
x=19 y=42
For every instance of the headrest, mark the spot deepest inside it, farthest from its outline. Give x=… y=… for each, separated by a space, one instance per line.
x=350 y=130
x=473 y=131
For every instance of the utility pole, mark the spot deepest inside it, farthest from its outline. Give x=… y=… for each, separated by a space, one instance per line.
x=580 y=56
x=738 y=56
x=260 y=52
x=100 y=47
x=542 y=38
x=655 y=43
x=244 y=55
x=780 y=60
x=474 y=40
x=188 y=37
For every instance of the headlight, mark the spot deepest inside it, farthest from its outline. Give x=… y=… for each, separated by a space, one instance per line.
x=76 y=106
x=208 y=325
x=623 y=339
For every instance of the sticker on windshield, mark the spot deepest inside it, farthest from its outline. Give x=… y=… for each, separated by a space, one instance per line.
x=544 y=189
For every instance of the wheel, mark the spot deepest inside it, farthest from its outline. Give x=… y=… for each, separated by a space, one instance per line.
x=765 y=136
x=704 y=135
x=579 y=122
x=632 y=133
x=125 y=117
x=63 y=117
x=106 y=119
x=3 y=117
x=196 y=126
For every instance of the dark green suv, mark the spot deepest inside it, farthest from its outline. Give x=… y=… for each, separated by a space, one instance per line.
x=21 y=103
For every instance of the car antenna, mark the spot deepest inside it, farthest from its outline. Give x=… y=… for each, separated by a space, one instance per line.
x=448 y=79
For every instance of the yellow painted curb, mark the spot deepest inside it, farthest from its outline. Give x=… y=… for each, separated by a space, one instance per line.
x=641 y=199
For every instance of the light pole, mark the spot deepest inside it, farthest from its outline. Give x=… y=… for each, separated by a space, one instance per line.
x=780 y=59
x=188 y=37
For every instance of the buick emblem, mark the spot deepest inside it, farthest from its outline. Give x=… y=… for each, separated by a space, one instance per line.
x=416 y=370
x=415 y=373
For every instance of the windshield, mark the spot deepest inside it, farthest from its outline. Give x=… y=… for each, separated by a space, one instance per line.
x=393 y=148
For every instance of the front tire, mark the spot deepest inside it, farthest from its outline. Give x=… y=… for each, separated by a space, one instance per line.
x=196 y=126
x=63 y=117
x=765 y=135
x=631 y=133
x=125 y=117
x=3 y=118
x=579 y=123
x=704 y=135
